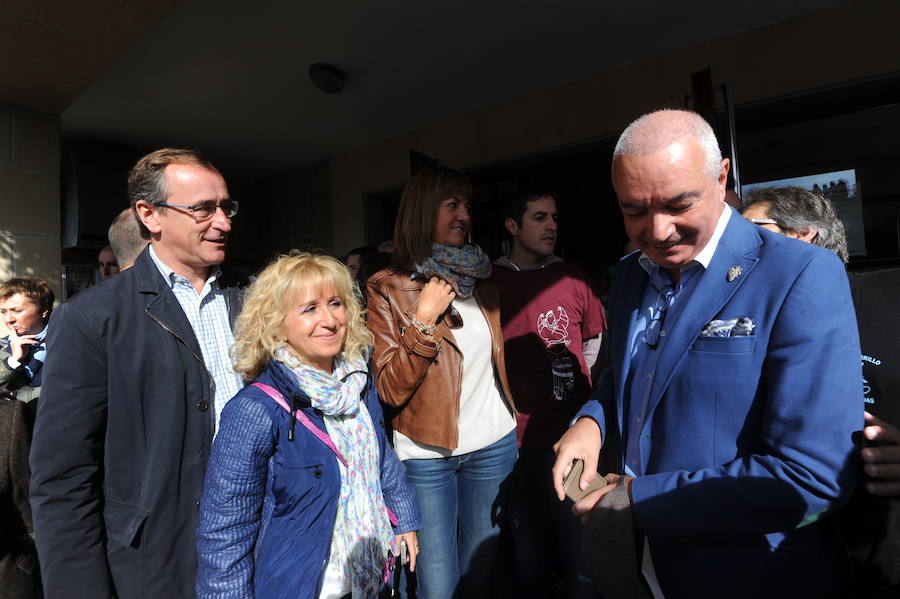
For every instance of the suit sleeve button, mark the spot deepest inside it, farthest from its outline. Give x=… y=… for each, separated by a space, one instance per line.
x=203 y=405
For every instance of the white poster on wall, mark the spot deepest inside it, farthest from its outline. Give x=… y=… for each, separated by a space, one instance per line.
x=841 y=188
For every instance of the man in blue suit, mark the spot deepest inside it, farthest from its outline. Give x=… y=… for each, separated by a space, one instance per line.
x=734 y=386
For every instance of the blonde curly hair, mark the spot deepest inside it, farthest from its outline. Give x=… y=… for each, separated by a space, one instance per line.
x=275 y=291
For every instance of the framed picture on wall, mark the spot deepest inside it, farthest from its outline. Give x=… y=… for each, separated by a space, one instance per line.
x=842 y=189
x=75 y=278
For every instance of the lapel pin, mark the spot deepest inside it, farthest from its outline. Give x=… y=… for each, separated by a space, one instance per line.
x=734 y=272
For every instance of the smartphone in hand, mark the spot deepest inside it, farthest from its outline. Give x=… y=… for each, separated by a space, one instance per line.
x=570 y=483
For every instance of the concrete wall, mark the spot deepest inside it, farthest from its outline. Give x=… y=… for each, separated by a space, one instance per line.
x=851 y=42
x=290 y=210
x=29 y=195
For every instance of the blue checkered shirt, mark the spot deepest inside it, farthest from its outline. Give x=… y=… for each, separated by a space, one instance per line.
x=208 y=314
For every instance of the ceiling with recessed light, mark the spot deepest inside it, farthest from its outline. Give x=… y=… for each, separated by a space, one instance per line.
x=231 y=77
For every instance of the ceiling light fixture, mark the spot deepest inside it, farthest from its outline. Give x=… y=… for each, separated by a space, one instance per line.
x=327 y=77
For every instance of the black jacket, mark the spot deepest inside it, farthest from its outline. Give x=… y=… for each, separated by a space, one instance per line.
x=19 y=577
x=121 y=441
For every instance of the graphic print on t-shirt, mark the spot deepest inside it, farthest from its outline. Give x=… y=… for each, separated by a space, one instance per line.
x=552 y=327
x=871 y=365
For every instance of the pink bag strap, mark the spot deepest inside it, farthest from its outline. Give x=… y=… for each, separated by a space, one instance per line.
x=301 y=418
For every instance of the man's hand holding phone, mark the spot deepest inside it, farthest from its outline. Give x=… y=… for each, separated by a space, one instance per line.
x=571 y=482
x=581 y=442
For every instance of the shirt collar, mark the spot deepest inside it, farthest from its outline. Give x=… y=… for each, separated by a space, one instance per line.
x=171 y=277
x=705 y=256
x=506 y=262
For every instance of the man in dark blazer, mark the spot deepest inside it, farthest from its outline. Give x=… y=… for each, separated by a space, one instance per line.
x=735 y=385
x=132 y=390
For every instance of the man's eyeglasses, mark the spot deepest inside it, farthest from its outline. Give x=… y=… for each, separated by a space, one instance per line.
x=206 y=210
x=764 y=221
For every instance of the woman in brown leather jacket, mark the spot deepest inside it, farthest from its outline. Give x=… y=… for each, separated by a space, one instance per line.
x=439 y=363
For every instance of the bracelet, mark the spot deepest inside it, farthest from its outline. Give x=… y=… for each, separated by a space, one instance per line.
x=425 y=330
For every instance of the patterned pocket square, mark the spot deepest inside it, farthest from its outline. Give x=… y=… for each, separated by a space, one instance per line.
x=741 y=326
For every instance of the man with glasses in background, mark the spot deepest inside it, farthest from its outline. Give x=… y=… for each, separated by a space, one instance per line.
x=870 y=524
x=133 y=391
x=734 y=384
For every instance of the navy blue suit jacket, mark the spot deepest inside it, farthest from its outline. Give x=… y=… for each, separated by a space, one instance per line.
x=747 y=441
x=121 y=442
x=269 y=504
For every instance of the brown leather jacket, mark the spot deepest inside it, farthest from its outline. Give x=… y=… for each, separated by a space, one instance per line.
x=422 y=378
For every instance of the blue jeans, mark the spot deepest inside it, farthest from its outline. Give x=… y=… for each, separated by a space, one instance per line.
x=460 y=498
x=546 y=535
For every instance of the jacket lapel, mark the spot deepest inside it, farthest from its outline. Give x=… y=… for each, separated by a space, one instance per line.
x=162 y=306
x=488 y=297
x=738 y=246
x=626 y=297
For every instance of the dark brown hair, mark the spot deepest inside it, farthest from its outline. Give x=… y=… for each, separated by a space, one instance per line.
x=418 y=210
x=35 y=289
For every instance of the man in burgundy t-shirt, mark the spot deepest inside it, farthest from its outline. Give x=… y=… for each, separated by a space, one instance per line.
x=552 y=322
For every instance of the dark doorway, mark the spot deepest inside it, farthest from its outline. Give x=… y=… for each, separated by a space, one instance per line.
x=590 y=224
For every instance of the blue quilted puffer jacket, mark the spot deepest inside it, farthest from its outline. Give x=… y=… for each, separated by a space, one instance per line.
x=269 y=504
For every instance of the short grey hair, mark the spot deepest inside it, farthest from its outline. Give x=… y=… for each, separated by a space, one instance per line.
x=797 y=210
x=659 y=129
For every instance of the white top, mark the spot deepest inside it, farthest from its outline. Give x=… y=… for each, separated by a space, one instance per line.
x=484 y=414
x=335 y=584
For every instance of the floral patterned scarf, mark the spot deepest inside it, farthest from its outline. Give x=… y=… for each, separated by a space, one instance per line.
x=462 y=267
x=362 y=531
